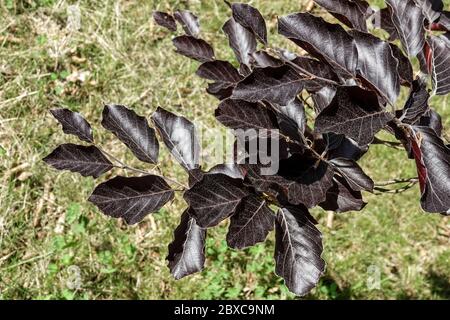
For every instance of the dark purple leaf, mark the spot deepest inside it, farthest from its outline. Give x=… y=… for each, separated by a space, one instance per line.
x=440 y=47
x=250 y=18
x=355 y=113
x=243 y=43
x=256 y=121
x=444 y=20
x=292 y=119
x=341 y=147
x=432 y=120
x=195 y=175
x=87 y=161
x=194 y=48
x=239 y=114
x=431 y=9
x=353 y=174
x=377 y=65
x=383 y=20
x=433 y=164
x=179 y=136
x=220 y=90
x=408 y=20
x=305 y=182
x=278 y=85
x=189 y=22
x=187 y=250
x=424 y=60
x=263 y=147
x=165 y=20
x=74 y=123
x=214 y=198
x=348 y=12
x=309 y=32
x=133 y=131
x=417 y=104
x=323 y=98
x=231 y=170
x=251 y=223
x=418 y=157
x=333 y=141
x=341 y=197
x=315 y=68
x=220 y=71
x=364 y=7
x=132 y=198
x=405 y=69
x=263 y=60
x=298 y=250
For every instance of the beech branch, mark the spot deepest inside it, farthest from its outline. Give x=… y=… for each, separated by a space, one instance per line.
x=380 y=186
x=396 y=181
x=121 y=165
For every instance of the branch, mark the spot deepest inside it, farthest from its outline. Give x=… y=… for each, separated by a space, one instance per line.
x=391 y=144
x=279 y=54
x=399 y=190
x=307 y=103
x=410 y=182
x=396 y=181
x=123 y=166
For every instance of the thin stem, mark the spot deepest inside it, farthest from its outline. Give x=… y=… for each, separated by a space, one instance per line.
x=121 y=165
x=170 y=179
x=124 y=166
x=304 y=142
x=279 y=54
x=307 y=103
x=392 y=144
x=410 y=182
x=288 y=139
x=131 y=169
x=396 y=181
x=399 y=190
x=308 y=97
x=176 y=182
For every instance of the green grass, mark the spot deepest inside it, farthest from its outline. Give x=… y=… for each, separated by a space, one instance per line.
x=49 y=232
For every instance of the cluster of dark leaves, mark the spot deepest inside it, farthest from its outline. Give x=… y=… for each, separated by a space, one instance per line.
x=354 y=80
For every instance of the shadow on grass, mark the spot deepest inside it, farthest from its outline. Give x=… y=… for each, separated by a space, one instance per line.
x=330 y=288
x=440 y=284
